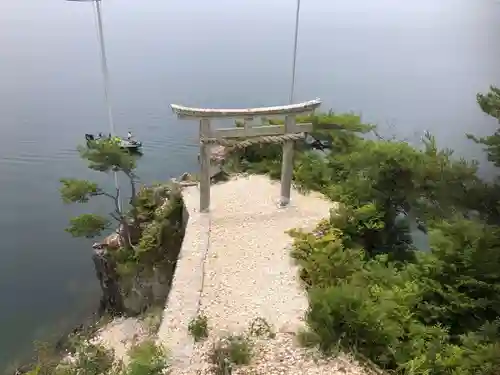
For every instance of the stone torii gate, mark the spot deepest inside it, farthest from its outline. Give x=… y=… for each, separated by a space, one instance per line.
x=247 y=135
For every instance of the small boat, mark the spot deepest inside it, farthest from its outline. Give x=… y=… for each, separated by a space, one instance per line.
x=318 y=144
x=126 y=144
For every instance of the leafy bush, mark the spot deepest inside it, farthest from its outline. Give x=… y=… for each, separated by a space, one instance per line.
x=369 y=289
x=308 y=338
x=160 y=230
x=420 y=317
x=230 y=351
x=146 y=358
x=93 y=359
x=430 y=316
x=259 y=327
x=89 y=359
x=462 y=276
x=198 y=327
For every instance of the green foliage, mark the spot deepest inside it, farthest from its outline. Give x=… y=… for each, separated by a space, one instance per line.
x=77 y=191
x=106 y=156
x=347 y=124
x=428 y=316
x=259 y=327
x=391 y=179
x=198 y=327
x=490 y=104
x=93 y=359
x=228 y=352
x=163 y=231
x=400 y=179
x=308 y=338
x=88 y=225
x=322 y=257
x=462 y=289
x=103 y=156
x=369 y=289
x=89 y=359
x=146 y=358
x=343 y=130
x=146 y=203
x=149 y=227
x=159 y=218
x=151 y=237
x=46 y=359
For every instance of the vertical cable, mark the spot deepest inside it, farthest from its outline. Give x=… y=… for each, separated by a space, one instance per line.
x=104 y=65
x=292 y=89
x=105 y=76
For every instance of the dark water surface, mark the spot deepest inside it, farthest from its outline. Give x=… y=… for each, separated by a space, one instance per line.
x=407 y=66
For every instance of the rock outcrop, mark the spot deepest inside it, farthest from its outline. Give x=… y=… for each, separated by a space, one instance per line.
x=146 y=284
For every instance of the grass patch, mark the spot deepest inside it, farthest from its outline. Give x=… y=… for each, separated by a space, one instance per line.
x=89 y=359
x=259 y=327
x=198 y=327
x=307 y=338
x=146 y=358
x=229 y=352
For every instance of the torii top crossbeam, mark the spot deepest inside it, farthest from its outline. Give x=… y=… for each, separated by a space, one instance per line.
x=304 y=107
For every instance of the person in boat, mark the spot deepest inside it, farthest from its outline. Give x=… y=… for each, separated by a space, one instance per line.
x=129 y=135
x=100 y=135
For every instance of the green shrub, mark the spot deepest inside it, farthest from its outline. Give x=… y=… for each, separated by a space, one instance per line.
x=151 y=237
x=355 y=316
x=369 y=289
x=308 y=338
x=46 y=359
x=323 y=259
x=89 y=359
x=145 y=203
x=462 y=275
x=259 y=327
x=228 y=352
x=94 y=359
x=198 y=327
x=429 y=316
x=146 y=358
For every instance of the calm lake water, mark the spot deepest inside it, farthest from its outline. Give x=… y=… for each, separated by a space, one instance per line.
x=408 y=66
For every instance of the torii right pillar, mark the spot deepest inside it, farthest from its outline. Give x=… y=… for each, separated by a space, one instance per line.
x=287 y=163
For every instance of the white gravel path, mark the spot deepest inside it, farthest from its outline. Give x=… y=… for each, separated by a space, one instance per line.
x=239 y=252
x=249 y=272
x=280 y=355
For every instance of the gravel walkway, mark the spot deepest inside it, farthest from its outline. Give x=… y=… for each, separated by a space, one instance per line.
x=280 y=355
x=249 y=272
x=239 y=254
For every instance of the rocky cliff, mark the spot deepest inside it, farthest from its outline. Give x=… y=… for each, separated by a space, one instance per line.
x=134 y=279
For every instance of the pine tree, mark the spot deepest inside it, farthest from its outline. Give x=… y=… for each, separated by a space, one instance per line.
x=104 y=156
x=490 y=104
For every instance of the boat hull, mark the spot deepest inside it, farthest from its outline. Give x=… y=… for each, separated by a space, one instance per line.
x=132 y=146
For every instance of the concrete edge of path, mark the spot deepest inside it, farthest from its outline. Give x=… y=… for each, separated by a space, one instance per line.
x=184 y=299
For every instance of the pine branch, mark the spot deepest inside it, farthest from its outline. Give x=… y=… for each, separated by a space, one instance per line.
x=88 y=225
